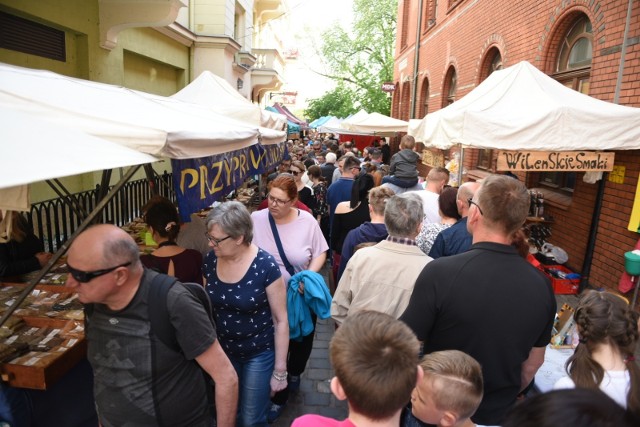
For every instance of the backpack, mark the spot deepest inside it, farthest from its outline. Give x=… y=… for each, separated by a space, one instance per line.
x=159 y=315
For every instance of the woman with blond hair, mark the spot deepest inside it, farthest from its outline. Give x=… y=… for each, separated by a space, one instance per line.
x=369 y=232
x=305 y=195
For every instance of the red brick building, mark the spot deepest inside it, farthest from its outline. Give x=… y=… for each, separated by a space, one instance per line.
x=577 y=42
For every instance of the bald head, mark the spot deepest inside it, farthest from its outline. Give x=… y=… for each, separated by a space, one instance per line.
x=103 y=246
x=465 y=192
x=104 y=265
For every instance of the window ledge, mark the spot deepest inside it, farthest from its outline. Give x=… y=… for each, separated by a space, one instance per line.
x=478 y=174
x=554 y=198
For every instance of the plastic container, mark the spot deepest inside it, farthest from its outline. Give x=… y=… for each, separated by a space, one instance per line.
x=632 y=263
x=568 y=285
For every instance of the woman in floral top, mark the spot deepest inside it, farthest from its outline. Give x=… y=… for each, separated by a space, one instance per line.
x=449 y=214
x=248 y=295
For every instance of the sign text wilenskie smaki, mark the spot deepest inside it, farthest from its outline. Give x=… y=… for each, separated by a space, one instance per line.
x=559 y=161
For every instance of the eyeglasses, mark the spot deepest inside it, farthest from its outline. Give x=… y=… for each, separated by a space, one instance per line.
x=358 y=168
x=471 y=202
x=214 y=241
x=278 y=202
x=87 y=276
x=294 y=173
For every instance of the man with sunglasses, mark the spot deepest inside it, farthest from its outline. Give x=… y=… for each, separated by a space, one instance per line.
x=488 y=302
x=138 y=380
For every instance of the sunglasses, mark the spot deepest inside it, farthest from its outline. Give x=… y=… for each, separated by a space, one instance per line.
x=471 y=202
x=87 y=276
x=294 y=173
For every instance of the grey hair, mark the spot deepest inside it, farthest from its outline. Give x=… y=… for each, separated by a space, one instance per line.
x=402 y=215
x=234 y=219
x=119 y=251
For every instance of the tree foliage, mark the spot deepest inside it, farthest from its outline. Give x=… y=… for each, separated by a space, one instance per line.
x=359 y=60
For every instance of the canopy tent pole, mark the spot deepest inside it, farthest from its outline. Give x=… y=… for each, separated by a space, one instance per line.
x=595 y=219
x=64 y=194
x=65 y=246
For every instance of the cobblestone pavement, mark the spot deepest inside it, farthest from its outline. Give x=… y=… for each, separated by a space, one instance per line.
x=315 y=396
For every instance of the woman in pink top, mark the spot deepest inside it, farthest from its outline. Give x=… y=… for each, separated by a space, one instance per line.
x=304 y=247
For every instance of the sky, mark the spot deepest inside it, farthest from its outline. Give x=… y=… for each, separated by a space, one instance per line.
x=309 y=19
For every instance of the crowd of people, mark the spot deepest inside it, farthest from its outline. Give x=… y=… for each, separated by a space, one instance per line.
x=440 y=319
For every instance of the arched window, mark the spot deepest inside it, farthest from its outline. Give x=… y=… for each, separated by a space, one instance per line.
x=573 y=69
x=406 y=13
x=492 y=62
x=396 y=101
x=423 y=108
x=450 y=86
x=405 y=104
x=573 y=65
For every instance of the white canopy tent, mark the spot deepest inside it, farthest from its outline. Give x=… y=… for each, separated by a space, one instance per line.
x=521 y=108
x=133 y=119
x=214 y=92
x=35 y=150
x=374 y=124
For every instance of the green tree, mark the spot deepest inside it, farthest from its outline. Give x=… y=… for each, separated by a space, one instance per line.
x=359 y=60
x=337 y=102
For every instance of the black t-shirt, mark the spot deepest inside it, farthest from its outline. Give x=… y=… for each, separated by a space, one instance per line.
x=138 y=380
x=491 y=304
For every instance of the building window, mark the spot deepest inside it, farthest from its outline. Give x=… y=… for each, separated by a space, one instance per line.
x=396 y=101
x=451 y=83
x=429 y=14
x=492 y=62
x=424 y=99
x=405 y=104
x=404 y=35
x=573 y=69
x=23 y=35
x=239 y=24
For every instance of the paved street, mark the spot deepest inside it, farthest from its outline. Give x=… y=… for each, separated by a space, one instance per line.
x=314 y=396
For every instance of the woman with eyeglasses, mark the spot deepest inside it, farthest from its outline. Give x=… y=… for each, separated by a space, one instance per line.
x=249 y=302
x=170 y=258
x=305 y=194
x=304 y=248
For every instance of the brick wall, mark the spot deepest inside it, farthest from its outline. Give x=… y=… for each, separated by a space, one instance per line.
x=531 y=30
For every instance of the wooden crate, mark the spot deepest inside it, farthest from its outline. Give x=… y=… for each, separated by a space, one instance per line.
x=42 y=378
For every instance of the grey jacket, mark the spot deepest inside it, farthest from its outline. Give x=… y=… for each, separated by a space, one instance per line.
x=404 y=164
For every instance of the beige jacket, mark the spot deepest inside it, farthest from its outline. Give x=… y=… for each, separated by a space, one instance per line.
x=380 y=278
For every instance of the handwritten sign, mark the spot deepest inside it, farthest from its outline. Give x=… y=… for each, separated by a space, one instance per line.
x=558 y=161
x=200 y=182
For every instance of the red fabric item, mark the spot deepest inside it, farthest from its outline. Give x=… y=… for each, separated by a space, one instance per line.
x=265 y=204
x=626 y=283
x=362 y=141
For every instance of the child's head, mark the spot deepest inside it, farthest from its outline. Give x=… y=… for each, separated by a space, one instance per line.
x=450 y=390
x=375 y=358
x=603 y=317
x=605 y=320
x=407 y=142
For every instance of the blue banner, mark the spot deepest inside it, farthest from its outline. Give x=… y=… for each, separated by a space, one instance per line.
x=200 y=182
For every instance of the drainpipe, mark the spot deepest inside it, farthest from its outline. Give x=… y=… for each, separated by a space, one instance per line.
x=416 y=58
x=595 y=219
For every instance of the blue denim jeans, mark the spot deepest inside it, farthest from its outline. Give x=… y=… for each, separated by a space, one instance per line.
x=254 y=376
